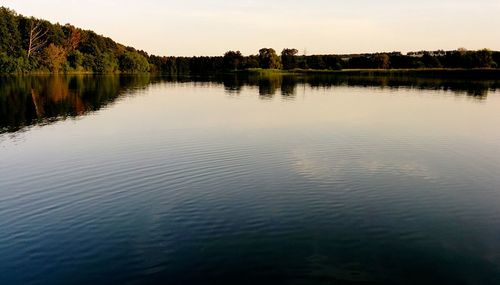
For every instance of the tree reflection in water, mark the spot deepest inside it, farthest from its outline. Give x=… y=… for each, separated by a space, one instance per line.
x=38 y=100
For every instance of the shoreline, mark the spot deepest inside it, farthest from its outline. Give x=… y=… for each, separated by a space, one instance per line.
x=458 y=73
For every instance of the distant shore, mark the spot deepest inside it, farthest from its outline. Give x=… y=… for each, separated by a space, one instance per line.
x=459 y=73
x=479 y=73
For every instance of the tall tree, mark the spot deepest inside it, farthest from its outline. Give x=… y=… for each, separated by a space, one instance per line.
x=132 y=61
x=54 y=56
x=483 y=58
x=232 y=60
x=37 y=37
x=74 y=38
x=10 y=38
x=383 y=61
x=288 y=58
x=268 y=59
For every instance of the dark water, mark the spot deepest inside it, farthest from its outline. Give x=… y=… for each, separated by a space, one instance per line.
x=281 y=180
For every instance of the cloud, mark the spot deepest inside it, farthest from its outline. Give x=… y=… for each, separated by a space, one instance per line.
x=337 y=167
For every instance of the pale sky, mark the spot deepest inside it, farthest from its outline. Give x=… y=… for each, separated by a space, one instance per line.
x=211 y=27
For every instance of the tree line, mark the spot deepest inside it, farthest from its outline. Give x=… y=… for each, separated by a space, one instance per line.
x=33 y=45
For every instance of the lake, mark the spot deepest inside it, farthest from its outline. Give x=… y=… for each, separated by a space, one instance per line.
x=249 y=180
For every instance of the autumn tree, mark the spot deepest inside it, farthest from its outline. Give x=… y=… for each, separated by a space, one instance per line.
x=73 y=39
x=54 y=56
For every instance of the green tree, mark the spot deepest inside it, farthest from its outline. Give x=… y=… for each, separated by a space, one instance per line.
x=268 y=59
x=289 y=58
x=75 y=60
x=88 y=62
x=133 y=62
x=106 y=63
x=10 y=37
x=251 y=61
x=7 y=63
x=483 y=58
x=232 y=60
x=430 y=61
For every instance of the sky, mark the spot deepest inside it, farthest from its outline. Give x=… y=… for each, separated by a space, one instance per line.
x=211 y=27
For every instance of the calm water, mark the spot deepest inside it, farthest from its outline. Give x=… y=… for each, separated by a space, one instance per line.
x=318 y=180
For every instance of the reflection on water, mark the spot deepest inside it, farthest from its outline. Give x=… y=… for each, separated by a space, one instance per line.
x=287 y=84
x=249 y=180
x=42 y=99
x=30 y=100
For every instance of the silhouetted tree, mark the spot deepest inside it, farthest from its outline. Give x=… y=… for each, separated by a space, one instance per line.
x=383 y=61
x=251 y=61
x=268 y=59
x=232 y=60
x=288 y=58
x=430 y=61
x=483 y=58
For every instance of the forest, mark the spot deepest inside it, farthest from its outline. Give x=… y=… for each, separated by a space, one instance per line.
x=30 y=45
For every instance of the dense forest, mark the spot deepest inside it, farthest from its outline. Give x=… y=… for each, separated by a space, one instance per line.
x=29 y=45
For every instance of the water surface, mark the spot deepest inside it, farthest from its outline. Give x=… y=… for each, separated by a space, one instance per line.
x=281 y=180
